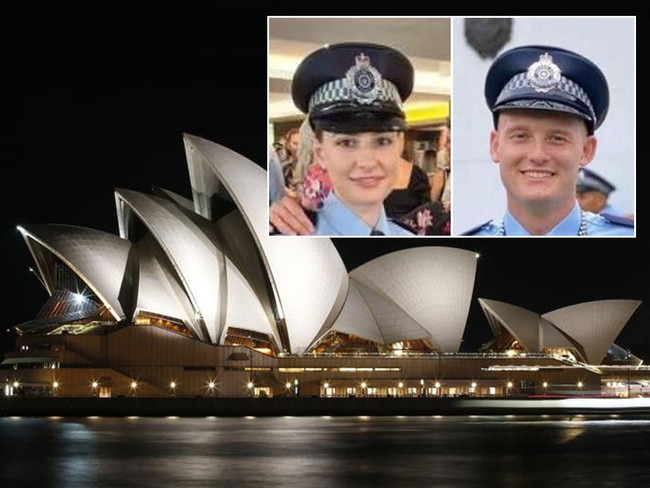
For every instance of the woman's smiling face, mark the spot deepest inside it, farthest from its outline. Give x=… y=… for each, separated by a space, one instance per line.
x=362 y=167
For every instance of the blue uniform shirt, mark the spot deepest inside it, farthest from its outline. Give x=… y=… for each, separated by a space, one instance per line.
x=593 y=225
x=335 y=219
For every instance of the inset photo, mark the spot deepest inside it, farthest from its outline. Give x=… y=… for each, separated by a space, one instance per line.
x=359 y=126
x=544 y=126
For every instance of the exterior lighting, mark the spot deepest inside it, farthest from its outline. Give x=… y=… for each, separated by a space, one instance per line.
x=55 y=384
x=473 y=384
x=172 y=387
x=363 y=388
x=437 y=385
x=326 y=385
x=288 y=385
x=545 y=385
x=16 y=384
x=400 y=385
x=134 y=386
x=579 y=384
x=211 y=386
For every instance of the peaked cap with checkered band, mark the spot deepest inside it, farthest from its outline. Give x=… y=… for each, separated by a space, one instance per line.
x=354 y=87
x=548 y=78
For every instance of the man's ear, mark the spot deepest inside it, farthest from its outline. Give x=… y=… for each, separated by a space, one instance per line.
x=495 y=152
x=588 y=150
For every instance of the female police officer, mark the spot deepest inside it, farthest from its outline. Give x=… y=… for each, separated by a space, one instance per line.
x=352 y=94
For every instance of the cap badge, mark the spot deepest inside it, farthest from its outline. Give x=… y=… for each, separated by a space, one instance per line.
x=544 y=75
x=363 y=80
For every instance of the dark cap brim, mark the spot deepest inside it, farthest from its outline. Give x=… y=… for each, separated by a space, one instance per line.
x=545 y=105
x=355 y=121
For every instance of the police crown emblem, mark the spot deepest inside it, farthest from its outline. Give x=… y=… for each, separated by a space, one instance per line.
x=544 y=75
x=363 y=80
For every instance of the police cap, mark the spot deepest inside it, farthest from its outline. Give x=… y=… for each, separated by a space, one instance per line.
x=548 y=78
x=353 y=87
x=591 y=181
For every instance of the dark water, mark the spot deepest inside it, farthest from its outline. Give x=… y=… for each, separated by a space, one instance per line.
x=325 y=452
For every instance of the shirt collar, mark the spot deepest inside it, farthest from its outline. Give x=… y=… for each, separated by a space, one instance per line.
x=348 y=223
x=569 y=226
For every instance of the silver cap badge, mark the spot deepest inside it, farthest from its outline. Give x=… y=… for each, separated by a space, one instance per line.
x=543 y=75
x=363 y=80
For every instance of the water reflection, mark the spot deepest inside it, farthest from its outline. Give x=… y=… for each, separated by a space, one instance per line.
x=324 y=452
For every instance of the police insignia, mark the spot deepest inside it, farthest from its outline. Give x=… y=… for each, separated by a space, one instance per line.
x=543 y=75
x=363 y=80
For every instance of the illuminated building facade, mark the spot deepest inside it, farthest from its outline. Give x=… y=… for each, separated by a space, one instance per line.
x=194 y=298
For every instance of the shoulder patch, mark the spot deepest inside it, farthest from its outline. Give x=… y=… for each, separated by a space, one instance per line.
x=476 y=229
x=617 y=219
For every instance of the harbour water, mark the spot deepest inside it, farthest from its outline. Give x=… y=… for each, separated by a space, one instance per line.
x=440 y=451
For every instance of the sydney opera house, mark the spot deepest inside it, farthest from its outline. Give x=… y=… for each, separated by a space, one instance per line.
x=195 y=298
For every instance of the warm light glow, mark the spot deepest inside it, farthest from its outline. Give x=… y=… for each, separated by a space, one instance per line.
x=545 y=384
x=473 y=384
x=326 y=385
x=16 y=384
x=510 y=353
x=400 y=384
x=509 y=384
x=425 y=112
x=172 y=385
x=363 y=385
x=94 y=384
x=288 y=385
x=437 y=385
x=249 y=385
x=55 y=384
x=211 y=385
x=579 y=384
x=134 y=385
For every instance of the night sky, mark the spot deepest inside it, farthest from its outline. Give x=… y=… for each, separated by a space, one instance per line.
x=98 y=101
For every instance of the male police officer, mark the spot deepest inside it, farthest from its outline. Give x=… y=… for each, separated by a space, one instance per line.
x=546 y=104
x=593 y=191
x=352 y=94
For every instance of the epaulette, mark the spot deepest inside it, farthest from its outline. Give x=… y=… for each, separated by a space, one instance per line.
x=617 y=219
x=474 y=230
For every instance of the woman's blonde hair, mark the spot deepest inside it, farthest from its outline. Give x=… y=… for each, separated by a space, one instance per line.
x=305 y=146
